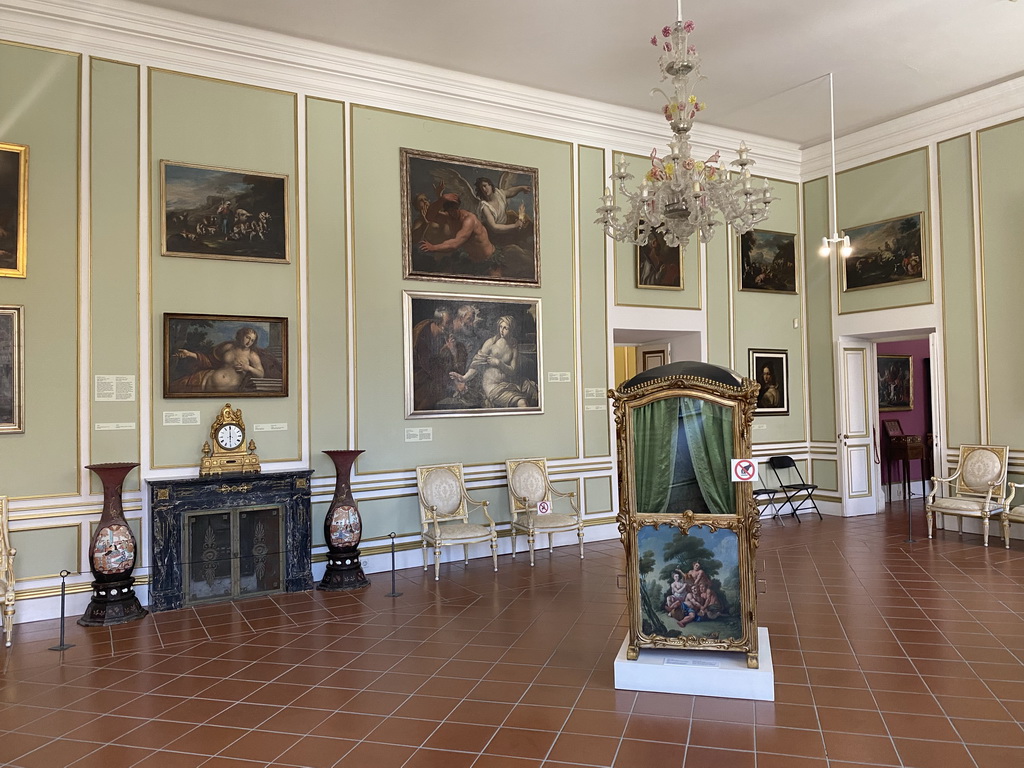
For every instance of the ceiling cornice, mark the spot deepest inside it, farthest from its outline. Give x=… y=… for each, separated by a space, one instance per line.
x=152 y=37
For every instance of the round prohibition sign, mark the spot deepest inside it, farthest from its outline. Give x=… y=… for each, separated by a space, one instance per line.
x=743 y=470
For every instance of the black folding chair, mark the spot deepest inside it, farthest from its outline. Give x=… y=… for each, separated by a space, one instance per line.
x=799 y=495
x=765 y=492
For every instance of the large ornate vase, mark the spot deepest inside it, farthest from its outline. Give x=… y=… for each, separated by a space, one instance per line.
x=343 y=529
x=112 y=555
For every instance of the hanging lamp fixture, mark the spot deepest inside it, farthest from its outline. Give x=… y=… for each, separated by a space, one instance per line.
x=845 y=249
x=678 y=194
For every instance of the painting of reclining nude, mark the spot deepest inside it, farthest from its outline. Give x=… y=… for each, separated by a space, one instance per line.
x=690 y=582
x=213 y=355
x=469 y=220
x=471 y=355
x=218 y=213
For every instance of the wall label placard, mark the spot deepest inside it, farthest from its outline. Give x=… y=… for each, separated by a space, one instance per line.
x=276 y=427
x=181 y=418
x=111 y=425
x=114 y=388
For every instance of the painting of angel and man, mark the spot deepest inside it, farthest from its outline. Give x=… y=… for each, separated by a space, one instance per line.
x=219 y=213
x=471 y=355
x=690 y=582
x=469 y=220
x=210 y=355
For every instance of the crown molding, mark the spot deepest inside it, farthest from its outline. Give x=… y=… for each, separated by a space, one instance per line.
x=126 y=31
x=972 y=112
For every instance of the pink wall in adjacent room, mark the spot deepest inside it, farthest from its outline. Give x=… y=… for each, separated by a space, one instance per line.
x=914 y=422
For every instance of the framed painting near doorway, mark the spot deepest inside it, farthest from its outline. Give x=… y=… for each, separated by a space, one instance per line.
x=13 y=209
x=895 y=383
x=770 y=369
x=885 y=253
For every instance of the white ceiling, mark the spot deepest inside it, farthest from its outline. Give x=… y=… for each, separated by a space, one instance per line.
x=764 y=60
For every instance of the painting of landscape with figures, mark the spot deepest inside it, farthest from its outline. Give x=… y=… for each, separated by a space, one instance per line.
x=690 y=582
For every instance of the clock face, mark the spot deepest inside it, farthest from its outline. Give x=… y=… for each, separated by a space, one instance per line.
x=229 y=436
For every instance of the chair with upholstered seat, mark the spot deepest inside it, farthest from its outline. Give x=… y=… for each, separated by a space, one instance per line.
x=445 y=506
x=1011 y=514
x=529 y=493
x=977 y=489
x=798 y=492
x=7 y=553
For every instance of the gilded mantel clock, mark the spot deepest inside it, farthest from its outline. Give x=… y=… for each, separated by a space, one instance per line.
x=229 y=453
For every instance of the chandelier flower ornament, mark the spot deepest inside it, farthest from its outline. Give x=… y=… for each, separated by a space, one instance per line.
x=678 y=194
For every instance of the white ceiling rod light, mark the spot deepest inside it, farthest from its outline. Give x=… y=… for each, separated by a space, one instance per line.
x=845 y=250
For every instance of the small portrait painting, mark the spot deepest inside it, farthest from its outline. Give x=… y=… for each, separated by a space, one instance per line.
x=884 y=253
x=768 y=262
x=469 y=220
x=471 y=355
x=13 y=209
x=770 y=369
x=214 y=355
x=219 y=213
x=657 y=264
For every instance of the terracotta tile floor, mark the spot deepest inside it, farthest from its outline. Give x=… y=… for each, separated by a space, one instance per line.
x=886 y=654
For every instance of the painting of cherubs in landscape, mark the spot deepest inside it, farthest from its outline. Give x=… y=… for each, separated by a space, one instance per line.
x=210 y=355
x=217 y=213
x=690 y=582
x=469 y=220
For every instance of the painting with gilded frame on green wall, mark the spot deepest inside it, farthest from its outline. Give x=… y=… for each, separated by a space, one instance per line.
x=885 y=253
x=13 y=209
x=471 y=355
x=657 y=264
x=471 y=221
x=214 y=355
x=12 y=368
x=770 y=369
x=768 y=262
x=221 y=213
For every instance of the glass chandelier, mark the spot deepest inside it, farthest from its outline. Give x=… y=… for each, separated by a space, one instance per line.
x=678 y=194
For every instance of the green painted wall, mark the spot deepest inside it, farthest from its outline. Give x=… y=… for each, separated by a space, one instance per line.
x=380 y=328
x=113 y=270
x=593 y=310
x=1001 y=188
x=223 y=138
x=818 y=303
x=879 y=191
x=626 y=291
x=959 y=292
x=40 y=109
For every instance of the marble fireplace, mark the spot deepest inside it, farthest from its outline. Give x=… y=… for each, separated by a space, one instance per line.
x=227 y=537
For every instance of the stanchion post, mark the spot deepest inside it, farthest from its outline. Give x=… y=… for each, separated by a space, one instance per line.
x=394 y=592
x=63 y=592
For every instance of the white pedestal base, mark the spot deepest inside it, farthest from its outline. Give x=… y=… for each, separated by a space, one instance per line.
x=699 y=673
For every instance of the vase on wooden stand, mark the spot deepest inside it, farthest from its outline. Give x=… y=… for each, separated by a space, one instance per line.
x=343 y=529
x=112 y=554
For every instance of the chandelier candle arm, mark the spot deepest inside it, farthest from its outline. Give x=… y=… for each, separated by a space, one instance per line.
x=678 y=194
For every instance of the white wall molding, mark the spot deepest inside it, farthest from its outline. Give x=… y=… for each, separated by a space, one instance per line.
x=124 y=31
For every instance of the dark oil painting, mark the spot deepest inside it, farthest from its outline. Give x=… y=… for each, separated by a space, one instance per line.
x=768 y=262
x=884 y=253
x=469 y=220
x=217 y=213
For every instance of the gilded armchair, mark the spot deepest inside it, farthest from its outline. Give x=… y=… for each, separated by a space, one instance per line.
x=528 y=486
x=445 y=506
x=977 y=489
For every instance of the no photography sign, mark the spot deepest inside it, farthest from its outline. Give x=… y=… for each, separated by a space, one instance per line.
x=743 y=470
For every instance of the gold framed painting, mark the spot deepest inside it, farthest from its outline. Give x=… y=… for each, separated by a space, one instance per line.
x=12 y=369
x=223 y=213
x=659 y=265
x=469 y=221
x=13 y=209
x=218 y=355
x=471 y=355
x=885 y=253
